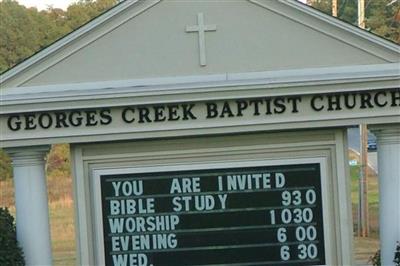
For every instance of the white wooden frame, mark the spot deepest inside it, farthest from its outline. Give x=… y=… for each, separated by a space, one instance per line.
x=329 y=230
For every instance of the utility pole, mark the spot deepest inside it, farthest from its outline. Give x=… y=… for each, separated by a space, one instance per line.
x=361 y=14
x=363 y=221
x=363 y=224
x=335 y=8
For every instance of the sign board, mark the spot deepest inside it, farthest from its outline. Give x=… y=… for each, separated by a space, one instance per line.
x=147 y=120
x=250 y=215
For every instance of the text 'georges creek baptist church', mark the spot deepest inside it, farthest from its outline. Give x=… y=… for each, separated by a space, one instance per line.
x=210 y=110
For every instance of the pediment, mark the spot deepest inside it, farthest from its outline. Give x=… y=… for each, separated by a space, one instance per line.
x=150 y=39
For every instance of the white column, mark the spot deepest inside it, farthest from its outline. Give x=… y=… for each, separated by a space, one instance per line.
x=32 y=219
x=388 y=140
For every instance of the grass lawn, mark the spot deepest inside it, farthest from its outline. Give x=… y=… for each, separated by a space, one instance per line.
x=63 y=232
x=373 y=199
x=365 y=247
x=61 y=217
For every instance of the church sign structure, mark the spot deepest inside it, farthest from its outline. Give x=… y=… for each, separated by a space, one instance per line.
x=200 y=134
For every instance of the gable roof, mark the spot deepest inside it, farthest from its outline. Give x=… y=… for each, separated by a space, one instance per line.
x=125 y=11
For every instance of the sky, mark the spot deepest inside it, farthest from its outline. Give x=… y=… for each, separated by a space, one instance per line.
x=43 y=4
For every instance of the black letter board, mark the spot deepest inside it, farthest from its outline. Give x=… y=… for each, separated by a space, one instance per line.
x=236 y=216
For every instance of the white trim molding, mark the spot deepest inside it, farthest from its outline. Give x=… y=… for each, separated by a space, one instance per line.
x=379 y=83
x=197 y=88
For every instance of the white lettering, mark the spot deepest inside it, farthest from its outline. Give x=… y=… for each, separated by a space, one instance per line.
x=131 y=206
x=175 y=187
x=250 y=181
x=266 y=180
x=177 y=205
x=220 y=186
x=143 y=224
x=120 y=260
x=128 y=188
x=189 y=185
x=116 y=186
x=116 y=225
x=115 y=243
x=130 y=259
x=222 y=199
x=279 y=180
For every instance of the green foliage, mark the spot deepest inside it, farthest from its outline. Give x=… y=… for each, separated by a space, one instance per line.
x=376 y=258
x=380 y=15
x=322 y=5
x=58 y=161
x=17 y=40
x=5 y=166
x=381 y=19
x=10 y=252
x=84 y=10
x=24 y=31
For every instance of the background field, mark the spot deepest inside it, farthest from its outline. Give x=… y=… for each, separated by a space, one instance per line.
x=365 y=247
x=61 y=216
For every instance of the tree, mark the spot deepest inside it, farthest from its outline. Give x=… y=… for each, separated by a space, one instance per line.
x=380 y=15
x=5 y=166
x=18 y=40
x=84 y=10
x=381 y=19
x=24 y=31
x=10 y=252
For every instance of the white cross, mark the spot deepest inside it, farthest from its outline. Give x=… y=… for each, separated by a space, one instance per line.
x=201 y=29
